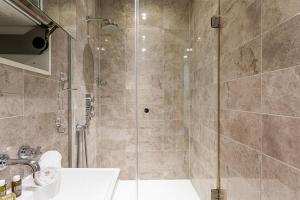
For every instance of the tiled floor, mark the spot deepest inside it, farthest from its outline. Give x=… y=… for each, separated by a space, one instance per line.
x=156 y=190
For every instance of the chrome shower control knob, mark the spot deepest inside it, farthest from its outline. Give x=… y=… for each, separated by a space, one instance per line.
x=146 y=110
x=3 y=161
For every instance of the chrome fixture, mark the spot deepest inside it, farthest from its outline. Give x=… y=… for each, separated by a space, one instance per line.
x=106 y=24
x=26 y=152
x=82 y=130
x=216 y=22
x=59 y=125
x=26 y=155
x=100 y=82
x=89 y=108
x=63 y=79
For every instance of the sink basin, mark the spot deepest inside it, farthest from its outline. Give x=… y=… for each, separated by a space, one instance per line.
x=75 y=184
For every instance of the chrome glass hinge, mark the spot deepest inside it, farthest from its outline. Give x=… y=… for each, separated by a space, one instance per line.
x=218 y=194
x=216 y=22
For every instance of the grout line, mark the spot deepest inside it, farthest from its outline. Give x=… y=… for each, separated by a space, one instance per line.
x=261 y=99
x=278 y=25
x=260 y=152
x=281 y=162
x=261 y=113
x=261 y=73
x=15 y=116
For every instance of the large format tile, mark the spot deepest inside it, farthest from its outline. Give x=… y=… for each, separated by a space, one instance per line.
x=281 y=92
x=12 y=135
x=41 y=95
x=240 y=171
x=242 y=22
x=244 y=61
x=281 y=46
x=275 y=12
x=175 y=14
x=11 y=91
x=279 y=181
x=281 y=138
x=243 y=127
x=242 y=94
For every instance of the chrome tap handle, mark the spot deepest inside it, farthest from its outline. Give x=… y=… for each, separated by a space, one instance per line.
x=26 y=152
x=3 y=161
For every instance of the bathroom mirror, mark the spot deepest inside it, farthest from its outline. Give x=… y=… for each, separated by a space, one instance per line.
x=25 y=39
x=63 y=12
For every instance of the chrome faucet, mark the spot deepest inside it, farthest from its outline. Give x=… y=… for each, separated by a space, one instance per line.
x=26 y=155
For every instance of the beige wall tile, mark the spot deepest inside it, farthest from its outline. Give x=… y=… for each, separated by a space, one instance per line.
x=275 y=12
x=242 y=23
x=241 y=62
x=281 y=46
x=240 y=171
x=279 y=181
x=280 y=138
x=243 y=127
x=242 y=94
x=281 y=92
x=11 y=91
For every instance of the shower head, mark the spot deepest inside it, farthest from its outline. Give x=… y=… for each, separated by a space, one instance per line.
x=106 y=24
x=109 y=26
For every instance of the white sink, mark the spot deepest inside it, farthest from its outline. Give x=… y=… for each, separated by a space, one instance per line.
x=76 y=184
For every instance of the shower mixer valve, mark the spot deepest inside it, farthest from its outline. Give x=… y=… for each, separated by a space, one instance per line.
x=90 y=108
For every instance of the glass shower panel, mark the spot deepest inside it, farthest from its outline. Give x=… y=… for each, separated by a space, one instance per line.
x=117 y=142
x=177 y=99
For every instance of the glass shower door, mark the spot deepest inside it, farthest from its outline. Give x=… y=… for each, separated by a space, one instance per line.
x=117 y=135
x=177 y=57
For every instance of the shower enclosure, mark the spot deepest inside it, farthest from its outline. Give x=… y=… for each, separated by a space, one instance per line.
x=154 y=74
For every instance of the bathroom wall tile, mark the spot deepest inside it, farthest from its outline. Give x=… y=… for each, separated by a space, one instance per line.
x=115 y=81
x=175 y=44
x=280 y=138
x=242 y=22
x=38 y=99
x=150 y=143
x=113 y=112
x=241 y=62
x=112 y=44
x=275 y=12
x=127 y=161
x=11 y=91
x=205 y=76
x=151 y=97
x=240 y=171
x=108 y=97
x=151 y=13
x=156 y=112
x=208 y=106
x=111 y=138
x=279 y=181
x=243 y=94
x=153 y=127
x=175 y=15
x=40 y=130
x=12 y=135
x=114 y=10
x=243 y=127
x=281 y=46
x=59 y=54
x=150 y=51
x=281 y=92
